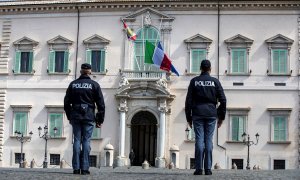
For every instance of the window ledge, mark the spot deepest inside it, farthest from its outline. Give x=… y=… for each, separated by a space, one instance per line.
x=272 y=74
x=96 y=139
x=57 y=73
x=192 y=74
x=189 y=141
x=23 y=73
x=279 y=142
x=238 y=74
x=98 y=73
x=235 y=142
x=14 y=136
x=59 y=138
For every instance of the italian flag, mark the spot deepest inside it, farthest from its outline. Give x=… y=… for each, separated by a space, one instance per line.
x=156 y=56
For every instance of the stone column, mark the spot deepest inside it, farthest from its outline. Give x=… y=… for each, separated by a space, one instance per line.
x=160 y=161
x=121 y=158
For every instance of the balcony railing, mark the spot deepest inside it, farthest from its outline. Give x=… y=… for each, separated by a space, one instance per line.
x=143 y=75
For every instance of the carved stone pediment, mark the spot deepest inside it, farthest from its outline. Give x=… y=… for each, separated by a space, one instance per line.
x=59 y=40
x=134 y=15
x=96 y=39
x=279 y=41
x=25 y=43
x=238 y=39
x=198 y=41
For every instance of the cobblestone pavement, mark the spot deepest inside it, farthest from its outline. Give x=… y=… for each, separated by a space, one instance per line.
x=139 y=173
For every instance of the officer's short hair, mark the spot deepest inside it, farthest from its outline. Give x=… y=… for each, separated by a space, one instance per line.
x=86 y=66
x=205 y=65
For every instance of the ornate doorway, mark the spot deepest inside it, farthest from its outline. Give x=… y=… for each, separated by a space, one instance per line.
x=144 y=137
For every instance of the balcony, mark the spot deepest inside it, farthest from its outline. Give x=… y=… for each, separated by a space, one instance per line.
x=143 y=75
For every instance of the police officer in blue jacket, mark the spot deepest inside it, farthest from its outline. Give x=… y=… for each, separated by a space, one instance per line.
x=82 y=97
x=204 y=93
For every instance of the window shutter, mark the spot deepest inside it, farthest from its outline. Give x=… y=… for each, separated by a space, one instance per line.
x=241 y=127
x=235 y=128
x=283 y=61
x=17 y=62
x=52 y=124
x=276 y=61
x=282 y=128
x=242 y=61
x=21 y=122
x=88 y=56
x=276 y=128
x=235 y=61
x=66 y=62
x=30 y=65
x=102 y=61
x=51 y=65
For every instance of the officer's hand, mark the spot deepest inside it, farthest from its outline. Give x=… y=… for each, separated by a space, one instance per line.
x=98 y=125
x=190 y=124
x=219 y=123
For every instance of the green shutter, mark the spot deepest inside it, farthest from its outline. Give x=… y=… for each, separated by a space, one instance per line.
x=242 y=61
x=88 y=56
x=241 y=127
x=235 y=128
x=52 y=124
x=235 y=61
x=20 y=122
x=30 y=65
x=66 y=62
x=276 y=60
x=51 y=65
x=283 y=61
x=102 y=61
x=17 y=62
x=196 y=58
x=280 y=128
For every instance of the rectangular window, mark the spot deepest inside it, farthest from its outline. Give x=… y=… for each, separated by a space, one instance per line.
x=58 y=62
x=238 y=61
x=97 y=59
x=18 y=157
x=238 y=162
x=280 y=128
x=238 y=127
x=279 y=61
x=197 y=55
x=54 y=159
x=56 y=120
x=279 y=164
x=20 y=122
x=93 y=161
x=23 y=62
x=96 y=133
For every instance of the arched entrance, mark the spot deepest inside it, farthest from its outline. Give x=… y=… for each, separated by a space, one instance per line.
x=144 y=137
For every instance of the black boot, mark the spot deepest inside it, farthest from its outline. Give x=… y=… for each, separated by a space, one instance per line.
x=198 y=172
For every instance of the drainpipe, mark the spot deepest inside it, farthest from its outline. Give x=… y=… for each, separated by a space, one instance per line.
x=77 y=37
x=218 y=72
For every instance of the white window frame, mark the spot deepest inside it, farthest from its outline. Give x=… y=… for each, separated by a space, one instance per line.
x=236 y=111
x=20 y=108
x=97 y=43
x=279 y=42
x=279 y=112
x=238 y=42
x=197 y=41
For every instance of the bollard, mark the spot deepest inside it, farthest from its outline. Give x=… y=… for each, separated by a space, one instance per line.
x=62 y=164
x=254 y=167
x=171 y=165
x=25 y=164
x=145 y=165
x=234 y=166
x=217 y=166
x=32 y=164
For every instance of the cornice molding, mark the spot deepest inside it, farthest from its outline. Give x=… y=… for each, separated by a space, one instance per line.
x=72 y=6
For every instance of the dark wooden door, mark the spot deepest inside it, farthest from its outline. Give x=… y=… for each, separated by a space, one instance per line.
x=144 y=137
